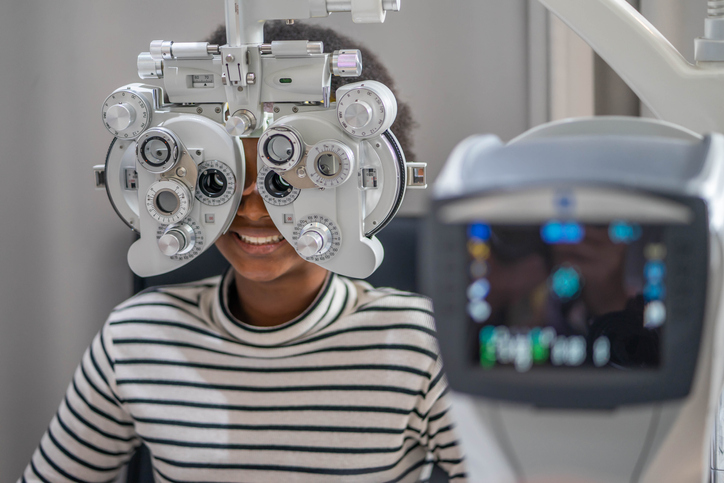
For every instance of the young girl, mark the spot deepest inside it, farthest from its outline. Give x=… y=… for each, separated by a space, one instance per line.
x=276 y=371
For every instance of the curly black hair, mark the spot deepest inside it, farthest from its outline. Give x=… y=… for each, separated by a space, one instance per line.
x=373 y=69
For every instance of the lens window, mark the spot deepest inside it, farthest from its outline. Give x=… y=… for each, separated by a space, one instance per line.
x=167 y=202
x=156 y=151
x=328 y=164
x=279 y=149
x=276 y=185
x=212 y=183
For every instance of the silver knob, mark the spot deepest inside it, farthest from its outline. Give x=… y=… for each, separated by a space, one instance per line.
x=149 y=67
x=120 y=116
x=177 y=240
x=358 y=115
x=315 y=239
x=347 y=63
x=310 y=244
x=391 y=5
x=240 y=123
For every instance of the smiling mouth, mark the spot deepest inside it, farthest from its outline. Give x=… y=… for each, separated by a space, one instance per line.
x=264 y=240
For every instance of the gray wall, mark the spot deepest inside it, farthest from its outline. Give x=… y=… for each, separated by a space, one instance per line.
x=62 y=263
x=464 y=70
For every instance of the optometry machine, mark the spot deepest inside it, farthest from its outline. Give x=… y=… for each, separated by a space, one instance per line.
x=577 y=275
x=331 y=174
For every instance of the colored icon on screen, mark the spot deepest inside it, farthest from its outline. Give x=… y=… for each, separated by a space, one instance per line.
x=654 y=291
x=601 y=351
x=565 y=282
x=487 y=346
x=655 y=251
x=624 y=232
x=479 y=289
x=479 y=231
x=478 y=250
x=479 y=310
x=569 y=232
x=478 y=269
x=654 y=271
x=576 y=350
x=654 y=314
x=540 y=346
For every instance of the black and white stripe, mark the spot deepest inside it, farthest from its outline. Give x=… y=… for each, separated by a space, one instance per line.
x=351 y=390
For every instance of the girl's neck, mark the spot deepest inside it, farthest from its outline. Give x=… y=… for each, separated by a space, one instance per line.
x=272 y=303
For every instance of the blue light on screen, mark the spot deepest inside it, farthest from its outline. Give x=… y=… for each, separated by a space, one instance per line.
x=480 y=231
x=624 y=232
x=555 y=232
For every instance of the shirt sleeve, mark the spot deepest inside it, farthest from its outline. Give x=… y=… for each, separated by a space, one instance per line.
x=92 y=436
x=439 y=429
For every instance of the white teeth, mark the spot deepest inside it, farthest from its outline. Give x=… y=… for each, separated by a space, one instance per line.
x=264 y=240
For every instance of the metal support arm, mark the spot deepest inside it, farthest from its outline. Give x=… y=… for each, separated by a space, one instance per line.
x=674 y=89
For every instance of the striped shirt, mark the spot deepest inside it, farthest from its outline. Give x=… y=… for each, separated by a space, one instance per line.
x=351 y=390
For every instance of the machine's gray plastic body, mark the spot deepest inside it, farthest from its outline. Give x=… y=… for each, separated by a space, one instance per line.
x=658 y=435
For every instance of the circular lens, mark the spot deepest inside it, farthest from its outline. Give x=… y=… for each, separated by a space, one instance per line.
x=212 y=183
x=279 y=149
x=166 y=202
x=328 y=164
x=156 y=151
x=276 y=185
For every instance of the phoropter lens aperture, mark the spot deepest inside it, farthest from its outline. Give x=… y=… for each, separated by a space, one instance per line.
x=156 y=151
x=328 y=164
x=278 y=149
x=276 y=185
x=212 y=183
x=166 y=202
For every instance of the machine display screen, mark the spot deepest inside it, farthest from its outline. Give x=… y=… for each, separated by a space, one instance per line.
x=565 y=294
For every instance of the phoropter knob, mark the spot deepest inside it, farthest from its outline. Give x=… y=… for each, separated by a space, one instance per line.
x=240 y=123
x=120 y=116
x=366 y=109
x=177 y=240
x=126 y=113
x=314 y=239
x=347 y=63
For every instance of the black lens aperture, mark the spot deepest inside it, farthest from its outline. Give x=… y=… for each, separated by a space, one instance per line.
x=276 y=185
x=212 y=183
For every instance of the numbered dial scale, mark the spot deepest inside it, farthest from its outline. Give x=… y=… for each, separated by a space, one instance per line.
x=323 y=228
x=126 y=114
x=217 y=183
x=168 y=202
x=198 y=239
x=367 y=110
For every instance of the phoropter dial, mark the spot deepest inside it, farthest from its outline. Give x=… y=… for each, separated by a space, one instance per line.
x=274 y=189
x=126 y=114
x=316 y=238
x=366 y=109
x=168 y=201
x=158 y=150
x=177 y=239
x=281 y=148
x=217 y=183
x=329 y=163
